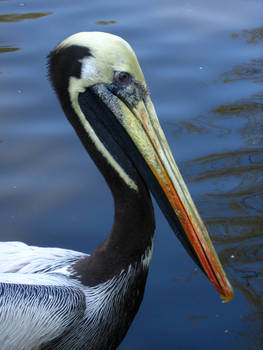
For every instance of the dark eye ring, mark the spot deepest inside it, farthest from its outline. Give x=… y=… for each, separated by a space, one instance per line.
x=122 y=77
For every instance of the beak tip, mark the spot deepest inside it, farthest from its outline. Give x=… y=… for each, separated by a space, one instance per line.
x=228 y=296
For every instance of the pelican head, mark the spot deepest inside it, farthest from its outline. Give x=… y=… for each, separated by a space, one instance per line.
x=103 y=92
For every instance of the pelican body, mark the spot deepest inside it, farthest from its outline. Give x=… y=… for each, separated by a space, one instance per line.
x=57 y=299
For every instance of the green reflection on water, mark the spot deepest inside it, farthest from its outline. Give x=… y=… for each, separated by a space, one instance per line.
x=8 y=49
x=105 y=23
x=227 y=163
x=17 y=17
x=253 y=36
x=239 y=108
x=247 y=71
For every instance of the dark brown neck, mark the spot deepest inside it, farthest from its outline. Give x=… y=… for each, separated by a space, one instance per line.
x=130 y=238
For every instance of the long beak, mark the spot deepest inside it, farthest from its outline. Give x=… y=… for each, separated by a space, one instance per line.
x=141 y=123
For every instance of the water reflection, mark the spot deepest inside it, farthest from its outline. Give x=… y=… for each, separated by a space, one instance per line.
x=232 y=205
x=232 y=208
x=252 y=70
x=197 y=318
x=17 y=17
x=5 y=49
x=252 y=36
x=105 y=23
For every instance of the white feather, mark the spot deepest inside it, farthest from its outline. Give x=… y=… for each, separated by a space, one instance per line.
x=39 y=301
x=32 y=315
x=19 y=257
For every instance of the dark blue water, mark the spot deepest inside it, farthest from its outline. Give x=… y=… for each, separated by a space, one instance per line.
x=203 y=63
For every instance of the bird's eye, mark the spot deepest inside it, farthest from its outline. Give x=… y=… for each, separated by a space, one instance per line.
x=122 y=78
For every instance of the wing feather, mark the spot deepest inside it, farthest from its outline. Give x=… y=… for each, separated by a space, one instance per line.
x=32 y=315
x=38 y=300
x=19 y=257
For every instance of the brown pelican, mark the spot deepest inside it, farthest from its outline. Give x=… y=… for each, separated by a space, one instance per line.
x=60 y=299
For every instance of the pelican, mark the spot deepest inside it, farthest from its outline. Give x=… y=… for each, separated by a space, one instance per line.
x=58 y=299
